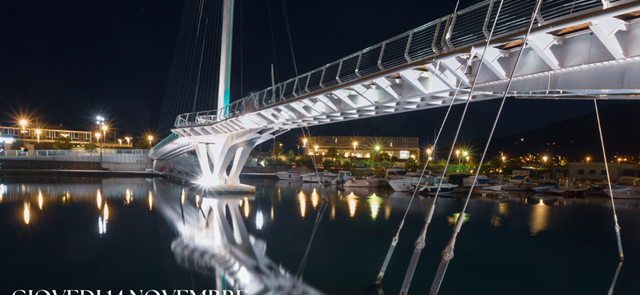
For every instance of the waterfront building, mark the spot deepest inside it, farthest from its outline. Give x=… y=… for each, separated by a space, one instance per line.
x=402 y=148
x=32 y=137
x=595 y=171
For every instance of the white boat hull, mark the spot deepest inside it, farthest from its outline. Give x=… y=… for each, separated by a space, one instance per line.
x=404 y=184
x=374 y=182
x=628 y=193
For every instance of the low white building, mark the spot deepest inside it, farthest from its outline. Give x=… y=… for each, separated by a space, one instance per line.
x=595 y=171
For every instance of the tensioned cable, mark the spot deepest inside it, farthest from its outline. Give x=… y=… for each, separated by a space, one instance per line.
x=286 y=22
x=273 y=41
x=313 y=159
x=420 y=241
x=613 y=205
x=241 y=50
x=204 y=42
x=178 y=67
x=303 y=262
x=447 y=253
x=394 y=241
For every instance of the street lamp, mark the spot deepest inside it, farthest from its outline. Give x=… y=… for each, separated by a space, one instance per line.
x=38 y=131
x=150 y=138
x=98 y=140
x=429 y=151
x=458 y=155
x=24 y=125
x=316 y=148
x=355 y=143
x=304 y=142
x=588 y=159
x=128 y=139
x=120 y=141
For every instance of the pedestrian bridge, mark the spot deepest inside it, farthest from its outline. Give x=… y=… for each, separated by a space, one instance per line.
x=577 y=49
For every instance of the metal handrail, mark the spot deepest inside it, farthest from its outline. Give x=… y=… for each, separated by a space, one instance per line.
x=466 y=28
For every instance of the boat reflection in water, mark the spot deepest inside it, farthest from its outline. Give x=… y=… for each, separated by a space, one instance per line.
x=213 y=240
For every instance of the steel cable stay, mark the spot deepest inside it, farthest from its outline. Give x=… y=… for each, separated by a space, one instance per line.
x=303 y=262
x=448 y=252
x=394 y=240
x=606 y=167
x=420 y=241
x=615 y=278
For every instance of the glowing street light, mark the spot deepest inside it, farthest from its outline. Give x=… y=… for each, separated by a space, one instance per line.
x=544 y=158
x=377 y=147
x=504 y=158
x=458 y=155
x=128 y=139
x=24 y=125
x=588 y=159
x=355 y=143
x=120 y=141
x=304 y=142
x=315 y=147
x=98 y=135
x=38 y=131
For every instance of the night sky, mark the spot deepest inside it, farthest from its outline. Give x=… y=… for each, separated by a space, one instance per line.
x=65 y=62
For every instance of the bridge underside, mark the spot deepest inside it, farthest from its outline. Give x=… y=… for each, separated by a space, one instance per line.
x=593 y=55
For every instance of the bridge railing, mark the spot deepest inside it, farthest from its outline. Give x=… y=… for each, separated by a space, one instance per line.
x=164 y=142
x=71 y=153
x=465 y=28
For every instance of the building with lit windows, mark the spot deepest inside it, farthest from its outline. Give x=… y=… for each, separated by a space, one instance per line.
x=362 y=146
x=31 y=137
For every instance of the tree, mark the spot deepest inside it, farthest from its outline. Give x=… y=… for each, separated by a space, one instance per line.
x=327 y=163
x=332 y=152
x=291 y=157
x=142 y=142
x=410 y=165
x=279 y=148
x=62 y=143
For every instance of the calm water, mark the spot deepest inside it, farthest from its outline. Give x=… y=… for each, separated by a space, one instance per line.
x=54 y=236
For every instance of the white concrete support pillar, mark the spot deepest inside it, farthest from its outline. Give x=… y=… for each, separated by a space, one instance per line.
x=203 y=159
x=242 y=153
x=218 y=153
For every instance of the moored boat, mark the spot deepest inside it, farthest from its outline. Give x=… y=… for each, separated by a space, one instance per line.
x=627 y=187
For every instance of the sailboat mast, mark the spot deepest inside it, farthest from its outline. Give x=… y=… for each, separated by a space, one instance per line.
x=225 y=54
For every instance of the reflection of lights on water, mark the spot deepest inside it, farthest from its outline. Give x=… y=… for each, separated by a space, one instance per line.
x=453 y=219
x=3 y=191
x=182 y=197
x=351 y=200
x=39 y=199
x=302 y=199
x=102 y=225
x=333 y=210
x=150 y=201
x=503 y=209
x=375 y=205
x=197 y=201
x=539 y=217
x=99 y=200
x=387 y=211
x=127 y=196
x=259 y=220
x=246 y=208
x=314 y=198
x=271 y=212
x=106 y=211
x=26 y=213
x=240 y=201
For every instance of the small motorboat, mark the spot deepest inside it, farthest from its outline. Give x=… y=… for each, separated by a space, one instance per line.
x=542 y=188
x=430 y=187
x=518 y=183
x=347 y=180
x=481 y=186
x=627 y=187
x=322 y=177
x=293 y=174
x=569 y=188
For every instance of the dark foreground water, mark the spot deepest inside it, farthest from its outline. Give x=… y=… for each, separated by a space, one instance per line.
x=116 y=234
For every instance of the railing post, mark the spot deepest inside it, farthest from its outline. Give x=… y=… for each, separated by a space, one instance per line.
x=381 y=53
x=358 y=65
x=406 y=50
x=338 y=74
x=486 y=20
x=322 y=76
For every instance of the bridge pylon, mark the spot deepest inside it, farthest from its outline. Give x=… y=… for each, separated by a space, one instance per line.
x=222 y=150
